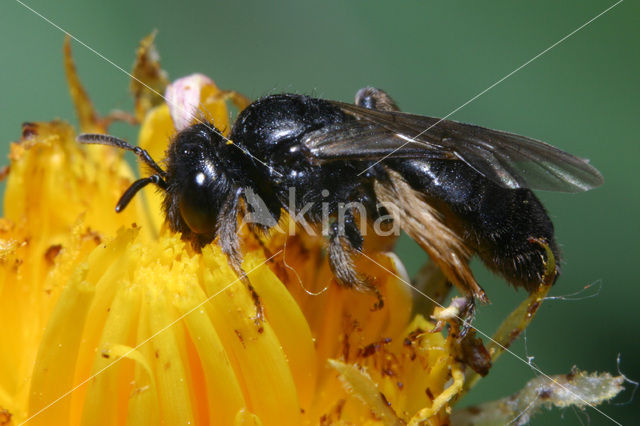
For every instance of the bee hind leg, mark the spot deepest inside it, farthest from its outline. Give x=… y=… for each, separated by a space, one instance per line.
x=342 y=244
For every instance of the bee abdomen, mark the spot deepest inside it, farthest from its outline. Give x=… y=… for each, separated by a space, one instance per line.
x=508 y=224
x=499 y=224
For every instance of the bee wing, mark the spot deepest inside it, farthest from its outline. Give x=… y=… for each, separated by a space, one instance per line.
x=510 y=160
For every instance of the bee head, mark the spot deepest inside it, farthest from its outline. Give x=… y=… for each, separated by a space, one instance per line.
x=198 y=190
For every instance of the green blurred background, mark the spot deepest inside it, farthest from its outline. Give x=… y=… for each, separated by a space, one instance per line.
x=582 y=96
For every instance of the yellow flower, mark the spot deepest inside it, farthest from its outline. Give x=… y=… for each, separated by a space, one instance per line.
x=110 y=318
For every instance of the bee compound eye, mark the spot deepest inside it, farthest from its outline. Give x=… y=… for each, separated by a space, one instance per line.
x=199 y=205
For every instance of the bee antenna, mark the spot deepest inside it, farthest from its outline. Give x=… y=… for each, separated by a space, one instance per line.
x=137 y=186
x=100 y=139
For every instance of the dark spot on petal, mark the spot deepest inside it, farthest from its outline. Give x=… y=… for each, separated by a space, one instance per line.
x=346 y=347
x=373 y=348
x=369 y=350
x=388 y=372
x=385 y=400
x=240 y=337
x=91 y=234
x=429 y=394
x=5 y=417
x=333 y=416
x=51 y=253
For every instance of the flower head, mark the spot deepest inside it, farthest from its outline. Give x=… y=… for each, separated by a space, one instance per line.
x=111 y=318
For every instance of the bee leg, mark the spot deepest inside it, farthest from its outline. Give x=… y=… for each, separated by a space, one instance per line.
x=372 y=98
x=423 y=223
x=340 y=260
x=230 y=246
x=467 y=315
x=258 y=234
x=342 y=243
x=242 y=276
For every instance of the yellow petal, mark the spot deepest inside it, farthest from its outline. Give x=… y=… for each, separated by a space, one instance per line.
x=57 y=355
x=254 y=349
x=359 y=382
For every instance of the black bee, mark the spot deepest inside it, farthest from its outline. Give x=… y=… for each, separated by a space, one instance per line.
x=457 y=189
